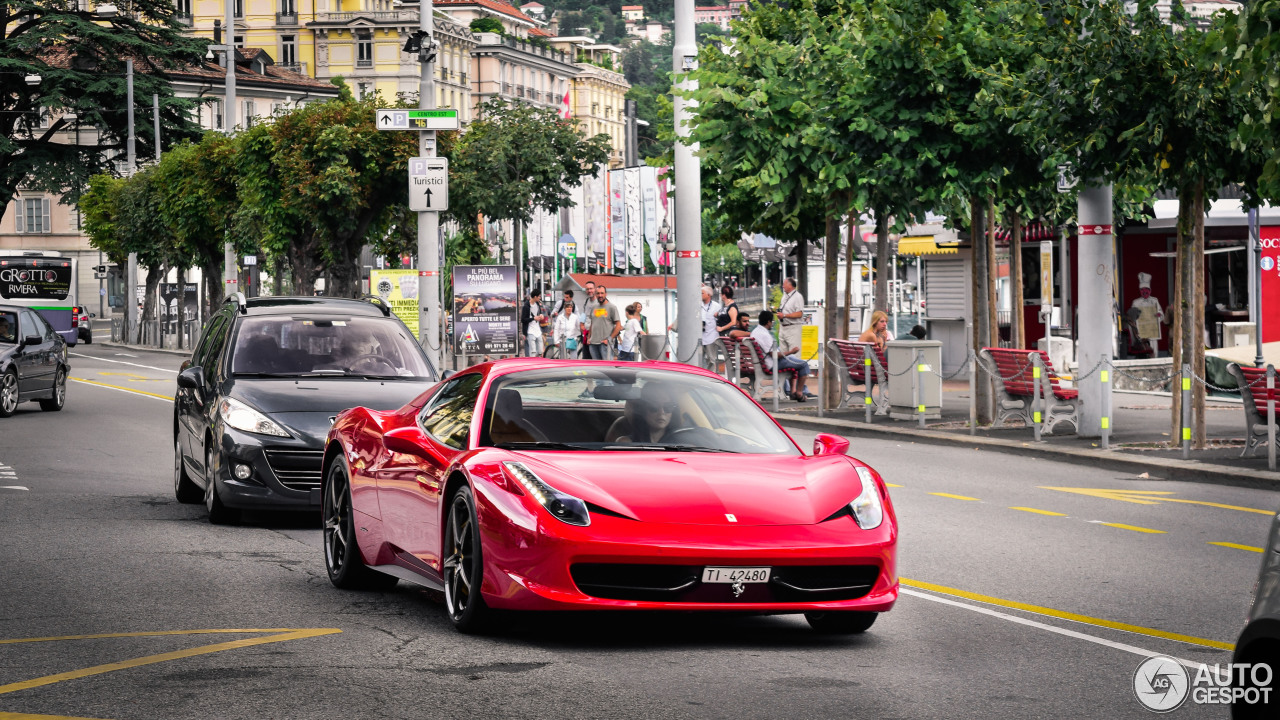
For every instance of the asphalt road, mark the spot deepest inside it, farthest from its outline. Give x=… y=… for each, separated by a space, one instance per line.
x=1018 y=601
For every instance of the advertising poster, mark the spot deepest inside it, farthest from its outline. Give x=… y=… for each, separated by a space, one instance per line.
x=665 y=208
x=399 y=288
x=594 y=200
x=577 y=220
x=549 y=235
x=533 y=233
x=649 y=203
x=175 y=302
x=617 y=220
x=1269 y=238
x=485 y=312
x=35 y=279
x=631 y=200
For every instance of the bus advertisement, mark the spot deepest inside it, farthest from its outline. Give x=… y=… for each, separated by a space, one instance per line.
x=44 y=282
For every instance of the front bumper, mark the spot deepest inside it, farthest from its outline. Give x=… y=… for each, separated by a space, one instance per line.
x=530 y=559
x=284 y=472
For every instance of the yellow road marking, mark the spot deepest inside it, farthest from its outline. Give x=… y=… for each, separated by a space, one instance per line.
x=1039 y=512
x=1250 y=548
x=1149 y=497
x=133 y=377
x=28 y=716
x=953 y=497
x=1063 y=615
x=151 y=633
x=124 y=389
x=892 y=485
x=283 y=636
x=1134 y=528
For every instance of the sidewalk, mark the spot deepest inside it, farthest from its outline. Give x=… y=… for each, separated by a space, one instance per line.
x=1139 y=436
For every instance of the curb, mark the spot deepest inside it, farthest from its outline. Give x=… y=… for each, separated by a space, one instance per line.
x=1158 y=468
x=164 y=351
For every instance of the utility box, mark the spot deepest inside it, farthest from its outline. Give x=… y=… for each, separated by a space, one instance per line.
x=1061 y=352
x=903 y=357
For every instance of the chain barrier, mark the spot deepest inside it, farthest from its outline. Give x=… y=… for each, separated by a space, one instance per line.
x=964 y=367
x=996 y=373
x=1138 y=378
x=1213 y=387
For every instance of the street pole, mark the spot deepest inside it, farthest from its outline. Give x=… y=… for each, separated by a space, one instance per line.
x=1096 y=326
x=131 y=272
x=155 y=116
x=230 y=277
x=688 y=193
x=428 y=221
x=1255 y=284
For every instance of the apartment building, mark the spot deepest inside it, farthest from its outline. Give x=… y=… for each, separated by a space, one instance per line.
x=599 y=90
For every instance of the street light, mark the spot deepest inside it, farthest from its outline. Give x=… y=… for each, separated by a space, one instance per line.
x=33 y=79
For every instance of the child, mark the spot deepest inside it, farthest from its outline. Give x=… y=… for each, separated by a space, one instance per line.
x=630 y=333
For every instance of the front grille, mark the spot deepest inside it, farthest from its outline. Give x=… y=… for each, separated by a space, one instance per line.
x=682 y=583
x=296 y=469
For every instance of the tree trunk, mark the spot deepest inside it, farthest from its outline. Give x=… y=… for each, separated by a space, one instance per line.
x=883 y=256
x=1017 y=332
x=801 y=268
x=848 y=276
x=304 y=270
x=979 y=299
x=1185 y=329
x=182 y=304
x=830 y=385
x=154 y=274
x=1198 y=389
x=1176 y=326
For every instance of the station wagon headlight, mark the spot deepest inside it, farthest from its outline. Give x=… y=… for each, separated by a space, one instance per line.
x=867 y=509
x=242 y=417
x=563 y=506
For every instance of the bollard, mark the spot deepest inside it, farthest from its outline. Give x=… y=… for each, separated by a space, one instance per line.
x=777 y=378
x=867 y=375
x=917 y=383
x=1186 y=411
x=822 y=381
x=1271 y=417
x=1035 y=394
x=973 y=379
x=1106 y=408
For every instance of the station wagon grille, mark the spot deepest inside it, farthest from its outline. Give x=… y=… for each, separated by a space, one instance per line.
x=296 y=469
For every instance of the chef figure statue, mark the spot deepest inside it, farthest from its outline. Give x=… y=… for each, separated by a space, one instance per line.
x=1150 y=314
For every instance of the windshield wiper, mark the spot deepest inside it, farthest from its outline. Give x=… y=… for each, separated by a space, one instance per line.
x=672 y=448
x=543 y=445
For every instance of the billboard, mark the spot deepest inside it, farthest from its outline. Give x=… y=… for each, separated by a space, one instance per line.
x=485 y=310
x=1269 y=298
x=399 y=288
x=617 y=222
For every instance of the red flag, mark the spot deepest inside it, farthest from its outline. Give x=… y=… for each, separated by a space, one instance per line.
x=564 y=106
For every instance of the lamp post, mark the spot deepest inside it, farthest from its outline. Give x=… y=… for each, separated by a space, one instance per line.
x=664 y=240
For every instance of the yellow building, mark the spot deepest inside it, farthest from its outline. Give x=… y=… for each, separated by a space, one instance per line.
x=599 y=93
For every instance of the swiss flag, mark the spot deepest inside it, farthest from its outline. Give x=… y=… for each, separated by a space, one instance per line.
x=564 y=106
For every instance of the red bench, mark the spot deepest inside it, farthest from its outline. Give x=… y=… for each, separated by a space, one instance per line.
x=1252 y=382
x=751 y=367
x=1015 y=385
x=863 y=364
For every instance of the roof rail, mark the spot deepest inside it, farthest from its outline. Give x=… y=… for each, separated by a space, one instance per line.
x=379 y=303
x=238 y=299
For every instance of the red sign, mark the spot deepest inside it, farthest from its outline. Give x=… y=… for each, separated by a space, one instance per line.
x=688 y=254
x=1269 y=238
x=428 y=273
x=1095 y=229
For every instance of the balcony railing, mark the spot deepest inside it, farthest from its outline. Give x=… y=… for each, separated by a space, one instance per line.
x=286 y=18
x=506 y=88
x=364 y=63
x=183 y=19
x=464 y=78
x=298 y=67
x=519 y=91
x=374 y=15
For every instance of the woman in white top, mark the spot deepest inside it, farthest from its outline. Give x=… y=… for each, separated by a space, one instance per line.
x=630 y=333
x=566 y=331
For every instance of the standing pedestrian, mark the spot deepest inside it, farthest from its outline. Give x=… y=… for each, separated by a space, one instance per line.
x=630 y=333
x=531 y=319
x=727 y=318
x=566 y=333
x=791 y=314
x=605 y=325
x=710 y=312
x=588 y=310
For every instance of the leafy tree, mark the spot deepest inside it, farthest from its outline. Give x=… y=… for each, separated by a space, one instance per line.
x=488 y=24
x=1255 y=41
x=79 y=58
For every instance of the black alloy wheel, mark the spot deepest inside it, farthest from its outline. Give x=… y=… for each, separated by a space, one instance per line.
x=463 y=565
x=219 y=514
x=841 y=622
x=55 y=403
x=184 y=488
x=342 y=558
x=8 y=393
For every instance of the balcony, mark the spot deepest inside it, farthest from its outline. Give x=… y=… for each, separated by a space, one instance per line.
x=506 y=88
x=519 y=91
x=298 y=67
x=286 y=18
x=463 y=78
x=183 y=18
x=362 y=63
x=374 y=15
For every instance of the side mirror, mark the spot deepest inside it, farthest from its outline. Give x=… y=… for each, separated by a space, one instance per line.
x=409 y=440
x=32 y=340
x=448 y=374
x=827 y=444
x=192 y=378
x=93 y=315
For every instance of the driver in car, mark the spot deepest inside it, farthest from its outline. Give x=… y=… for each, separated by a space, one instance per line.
x=6 y=330
x=657 y=416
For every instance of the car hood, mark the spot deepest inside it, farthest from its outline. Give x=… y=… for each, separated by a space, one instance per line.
x=305 y=405
x=705 y=488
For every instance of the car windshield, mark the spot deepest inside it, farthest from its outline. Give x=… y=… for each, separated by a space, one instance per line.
x=319 y=346
x=8 y=327
x=605 y=408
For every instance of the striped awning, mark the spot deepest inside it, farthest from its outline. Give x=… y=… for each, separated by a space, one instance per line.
x=922 y=245
x=1031 y=232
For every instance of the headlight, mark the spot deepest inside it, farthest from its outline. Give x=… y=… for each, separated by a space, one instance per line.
x=867 y=509
x=242 y=417
x=563 y=506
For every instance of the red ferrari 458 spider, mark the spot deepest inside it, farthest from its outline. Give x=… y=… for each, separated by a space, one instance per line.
x=530 y=484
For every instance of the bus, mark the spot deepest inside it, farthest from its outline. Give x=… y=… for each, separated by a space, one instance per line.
x=44 y=281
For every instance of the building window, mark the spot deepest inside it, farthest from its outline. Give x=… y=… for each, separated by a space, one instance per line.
x=33 y=215
x=362 y=89
x=248 y=113
x=183 y=8
x=215 y=110
x=287 y=7
x=364 y=49
x=239 y=9
x=288 y=49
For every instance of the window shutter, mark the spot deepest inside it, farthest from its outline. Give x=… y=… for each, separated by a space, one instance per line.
x=19 y=202
x=44 y=203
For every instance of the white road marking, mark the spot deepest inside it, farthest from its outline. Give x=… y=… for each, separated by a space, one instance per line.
x=125 y=355
x=122 y=362
x=1044 y=626
x=15 y=487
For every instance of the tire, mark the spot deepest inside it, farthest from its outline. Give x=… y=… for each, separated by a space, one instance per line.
x=464 y=566
x=59 y=399
x=8 y=393
x=342 y=558
x=846 y=622
x=184 y=488
x=219 y=514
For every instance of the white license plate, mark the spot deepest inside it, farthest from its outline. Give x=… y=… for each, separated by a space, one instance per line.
x=735 y=574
